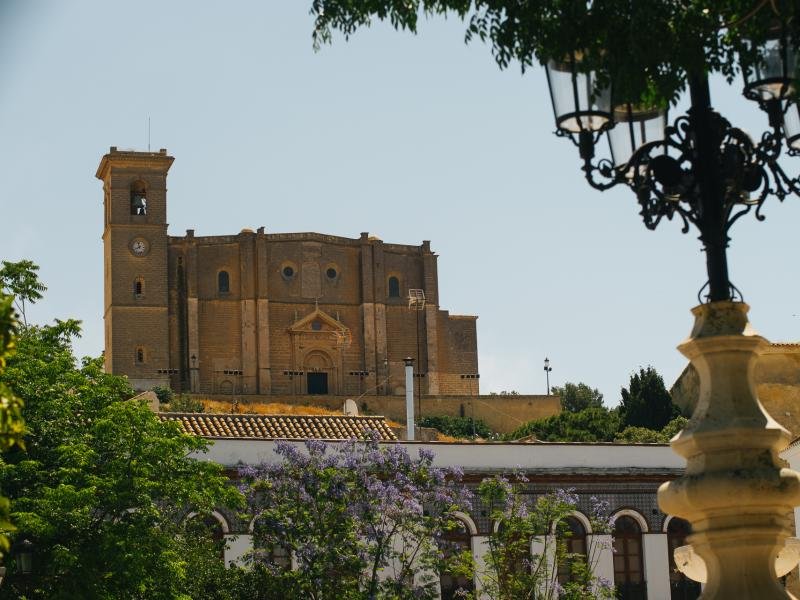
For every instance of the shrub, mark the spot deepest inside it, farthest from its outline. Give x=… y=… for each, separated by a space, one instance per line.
x=588 y=425
x=184 y=403
x=458 y=427
x=163 y=393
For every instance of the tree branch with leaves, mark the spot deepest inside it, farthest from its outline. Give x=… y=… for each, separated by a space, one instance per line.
x=20 y=280
x=613 y=37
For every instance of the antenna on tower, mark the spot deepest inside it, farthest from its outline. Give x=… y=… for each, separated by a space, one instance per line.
x=148 y=133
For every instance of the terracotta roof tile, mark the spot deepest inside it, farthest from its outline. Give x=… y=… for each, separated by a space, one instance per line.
x=285 y=427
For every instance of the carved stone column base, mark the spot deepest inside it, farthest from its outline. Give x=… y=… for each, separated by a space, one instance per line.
x=734 y=493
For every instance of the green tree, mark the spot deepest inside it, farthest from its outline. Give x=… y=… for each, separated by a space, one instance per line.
x=576 y=397
x=643 y=435
x=646 y=401
x=512 y=571
x=640 y=435
x=12 y=426
x=614 y=37
x=361 y=520
x=672 y=428
x=21 y=281
x=588 y=425
x=103 y=483
x=164 y=394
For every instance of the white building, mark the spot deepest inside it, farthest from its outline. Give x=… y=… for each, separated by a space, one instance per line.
x=625 y=475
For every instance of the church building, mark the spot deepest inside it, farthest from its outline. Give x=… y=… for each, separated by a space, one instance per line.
x=268 y=313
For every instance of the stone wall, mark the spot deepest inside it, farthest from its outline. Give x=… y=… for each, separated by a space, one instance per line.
x=777 y=378
x=503 y=414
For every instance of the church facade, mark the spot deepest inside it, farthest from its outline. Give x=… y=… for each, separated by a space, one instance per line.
x=268 y=313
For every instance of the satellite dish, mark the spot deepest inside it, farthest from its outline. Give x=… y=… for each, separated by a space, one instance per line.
x=350 y=408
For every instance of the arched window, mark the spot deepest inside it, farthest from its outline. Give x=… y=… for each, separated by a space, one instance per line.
x=140 y=355
x=628 y=565
x=271 y=553
x=138 y=287
x=138 y=198
x=455 y=541
x=574 y=541
x=681 y=587
x=394 y=287
x=223 y=282
x=206 y=530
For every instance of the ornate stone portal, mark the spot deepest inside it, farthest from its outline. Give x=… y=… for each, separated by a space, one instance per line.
x=734 y=492
x=318 y=343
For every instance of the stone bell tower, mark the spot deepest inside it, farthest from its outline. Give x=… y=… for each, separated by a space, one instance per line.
x=135 y=255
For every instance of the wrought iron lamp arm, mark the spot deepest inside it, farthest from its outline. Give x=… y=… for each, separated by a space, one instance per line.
x=601 y=175
x=705 y=171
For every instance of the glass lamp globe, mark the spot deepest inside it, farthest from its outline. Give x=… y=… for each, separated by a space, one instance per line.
x=634 y=126
x=791 y=126
x=774 y=76
x=577 y=103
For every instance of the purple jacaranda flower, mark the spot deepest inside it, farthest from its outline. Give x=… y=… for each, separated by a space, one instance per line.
x=316 y=447
x=566 y=496
x=343 y=505
x=247 y=471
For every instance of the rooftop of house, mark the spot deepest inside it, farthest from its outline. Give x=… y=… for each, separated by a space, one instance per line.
x=281 y=427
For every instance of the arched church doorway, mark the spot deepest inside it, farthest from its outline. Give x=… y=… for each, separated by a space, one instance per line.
x=319 y=373
x=317 y=382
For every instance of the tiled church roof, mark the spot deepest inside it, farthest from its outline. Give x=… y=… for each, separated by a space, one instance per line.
x=283 y=427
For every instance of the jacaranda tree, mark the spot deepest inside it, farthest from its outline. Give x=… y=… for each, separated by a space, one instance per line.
x=527 y=555
x=362 y=521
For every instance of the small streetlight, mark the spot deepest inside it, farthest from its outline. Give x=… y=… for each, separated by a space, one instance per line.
x=770 y=82
x=547 y=369
x=791 y=127
x=772 y=77
x=578 y=104
x=194 y=378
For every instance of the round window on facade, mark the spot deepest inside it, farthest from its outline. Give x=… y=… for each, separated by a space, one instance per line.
x=332 y=273
x=287 y=271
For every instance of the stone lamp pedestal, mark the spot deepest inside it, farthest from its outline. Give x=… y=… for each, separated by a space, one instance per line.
x=734 y=493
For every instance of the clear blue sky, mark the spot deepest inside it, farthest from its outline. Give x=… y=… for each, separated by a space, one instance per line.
x=409 y=138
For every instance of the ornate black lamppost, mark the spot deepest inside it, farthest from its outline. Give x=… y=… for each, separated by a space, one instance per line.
x=701 y=169
x=708 y=173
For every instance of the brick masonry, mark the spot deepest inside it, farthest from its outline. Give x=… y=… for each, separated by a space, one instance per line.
x=266 y=313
